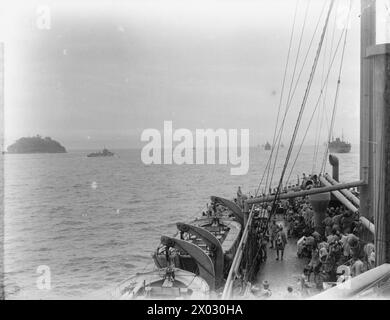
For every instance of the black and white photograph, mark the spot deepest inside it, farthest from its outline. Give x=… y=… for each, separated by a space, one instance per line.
x=208 y=150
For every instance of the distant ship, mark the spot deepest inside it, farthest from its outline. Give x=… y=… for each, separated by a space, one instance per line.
x=104 y=153
x=339 y=146
x=267 y=146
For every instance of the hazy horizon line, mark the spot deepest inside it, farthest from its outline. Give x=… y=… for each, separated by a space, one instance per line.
x=140 y=147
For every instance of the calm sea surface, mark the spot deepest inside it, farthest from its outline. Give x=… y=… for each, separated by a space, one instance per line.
x=95 y=221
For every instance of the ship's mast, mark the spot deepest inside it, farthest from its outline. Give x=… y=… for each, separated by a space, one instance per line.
x=367 y=29
x=375 y=131
x=2 y=290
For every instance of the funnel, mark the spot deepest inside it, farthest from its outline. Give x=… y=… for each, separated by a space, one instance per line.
x=319 y=202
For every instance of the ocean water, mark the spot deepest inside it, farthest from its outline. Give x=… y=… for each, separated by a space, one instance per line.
x=90 y=223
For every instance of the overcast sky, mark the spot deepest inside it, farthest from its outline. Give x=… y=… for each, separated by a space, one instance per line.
x=105 y=71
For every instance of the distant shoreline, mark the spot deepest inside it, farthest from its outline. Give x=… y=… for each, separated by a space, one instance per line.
x=355 y=148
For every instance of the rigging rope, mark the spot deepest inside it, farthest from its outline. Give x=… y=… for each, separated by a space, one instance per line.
x=299 y=76
x=337 y=91
x=282 y=91
x=319 y=116
x=301 y=109
x=291 y=85
x=324 y=84
x=317 y=103
x=261 y=181
x=237 y=258
x=324 y=113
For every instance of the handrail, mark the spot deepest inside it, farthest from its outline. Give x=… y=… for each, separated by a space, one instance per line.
x=307 y=192
x=227 y=290
x=356 y=285
x=346 y=202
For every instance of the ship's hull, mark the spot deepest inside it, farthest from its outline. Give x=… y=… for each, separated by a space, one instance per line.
x=229 y=245
x=339 y=146
x=201 y=251
x=343 y=149
x=98 y=155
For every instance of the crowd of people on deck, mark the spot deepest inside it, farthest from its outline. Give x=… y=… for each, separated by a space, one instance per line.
x=333 y=248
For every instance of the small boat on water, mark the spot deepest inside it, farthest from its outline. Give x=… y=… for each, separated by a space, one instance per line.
x=104 y=153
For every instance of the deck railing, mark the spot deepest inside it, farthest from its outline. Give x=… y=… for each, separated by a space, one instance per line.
x=234 y=269
x=354 y=286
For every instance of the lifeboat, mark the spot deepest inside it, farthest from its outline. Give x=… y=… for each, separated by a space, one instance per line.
x=167 y=283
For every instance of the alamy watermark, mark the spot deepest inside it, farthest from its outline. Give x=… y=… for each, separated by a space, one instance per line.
x=43 y=280
x=43 y=17
x=233 y=148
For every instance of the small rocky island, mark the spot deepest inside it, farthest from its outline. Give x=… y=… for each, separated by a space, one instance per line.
x=36 y=144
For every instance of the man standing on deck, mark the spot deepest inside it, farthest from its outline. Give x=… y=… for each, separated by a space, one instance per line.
x=273 y=230
x=239 y=192
x=263 y=246
x=289 y=221
x=239 y=197
x=281 y=241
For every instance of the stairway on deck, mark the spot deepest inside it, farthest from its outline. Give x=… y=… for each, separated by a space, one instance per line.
x=282 y=273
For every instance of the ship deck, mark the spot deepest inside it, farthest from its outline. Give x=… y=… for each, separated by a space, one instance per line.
x=283 y=273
